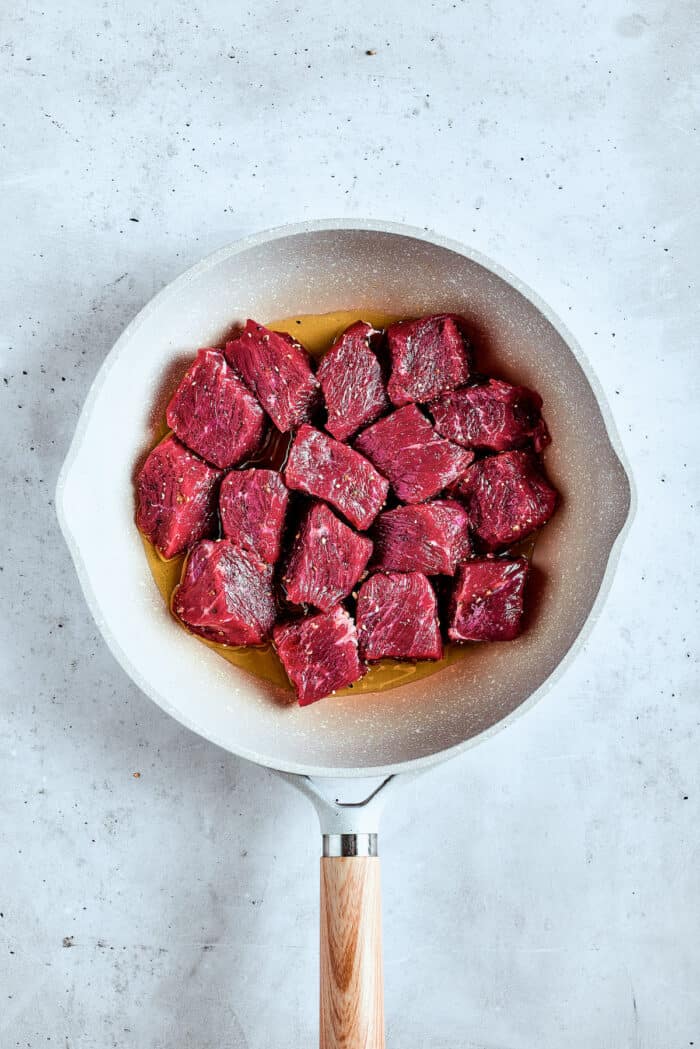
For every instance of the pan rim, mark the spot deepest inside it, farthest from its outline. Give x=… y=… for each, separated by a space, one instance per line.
x=627 y=506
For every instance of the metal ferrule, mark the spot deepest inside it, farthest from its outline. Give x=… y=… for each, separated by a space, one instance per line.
x=350 y=845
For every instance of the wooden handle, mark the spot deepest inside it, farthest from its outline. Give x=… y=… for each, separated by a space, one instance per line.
x=352 y=979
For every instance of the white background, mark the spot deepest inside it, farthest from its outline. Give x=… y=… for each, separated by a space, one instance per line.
x=541 y=891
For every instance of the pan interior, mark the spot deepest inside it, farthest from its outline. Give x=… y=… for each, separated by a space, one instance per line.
x=316 y=271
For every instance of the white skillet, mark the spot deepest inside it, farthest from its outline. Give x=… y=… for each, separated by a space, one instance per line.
x=316 y=268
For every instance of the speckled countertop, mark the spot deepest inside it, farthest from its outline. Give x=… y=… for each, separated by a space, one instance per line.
x=542 y=890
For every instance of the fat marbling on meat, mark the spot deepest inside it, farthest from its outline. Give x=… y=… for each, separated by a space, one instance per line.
x=497 y=416
x=326 y=560
x=352 y=383
x=214 y=413
x=319 y=653
x=175 y=498
x=226 y=594
x=252 y=506
x=487 y=600
x=397 y=617
x=405 y=448
x=507 y=497
x=278 y=370
x=428 y=356
x=321 y=466
x=431 y=537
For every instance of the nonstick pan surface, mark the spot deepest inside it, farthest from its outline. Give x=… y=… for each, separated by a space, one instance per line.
x=315 y=268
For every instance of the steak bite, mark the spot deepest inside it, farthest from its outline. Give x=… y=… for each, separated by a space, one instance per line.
x=497 y=416
x=278 y=370
x=431 y=538
x=319 y=653
x=428 y=356
x=326 y=561
x=406 y=449
x=351 y=380
x=487 y=601
x=252 y=505
x=397 y=618
x=506 y=496
x=226 y=594
x=322 y=466
x=175 y=498
x=214 y=413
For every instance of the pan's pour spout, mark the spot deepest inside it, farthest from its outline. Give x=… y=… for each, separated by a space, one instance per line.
x=352 y=984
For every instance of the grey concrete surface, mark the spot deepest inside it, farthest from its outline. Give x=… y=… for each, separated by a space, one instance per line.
x=540 y=892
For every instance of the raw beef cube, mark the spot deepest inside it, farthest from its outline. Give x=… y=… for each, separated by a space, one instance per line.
x=214 y=414
x=431 y=538
x=428 y=357
x=321 y=466
x=397 y=618
x=319 y=654
x=496 y=416
x=252 y=505
x=506 y=496
x=278 y=371
x=175 y=498
x=226 y=594
x=487 y=601
x=406 y=449
x=351 y=380
x=326 y=561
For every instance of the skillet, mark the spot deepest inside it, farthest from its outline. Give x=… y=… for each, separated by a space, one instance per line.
x=345 y=753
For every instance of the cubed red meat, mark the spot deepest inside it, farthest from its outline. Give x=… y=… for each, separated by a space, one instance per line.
x=406 y=449
x=214 y=413
x=487 y=600
x=497 y=416
x=428 y=356
x=352 y=383
x=278 y=371
x=397 y=617
x=322 y=466
x=432 y=538
x=507 y=497
x=326 y=561
x=226 y=594
x=252 y=505
x=319 y=654
x=175 y=498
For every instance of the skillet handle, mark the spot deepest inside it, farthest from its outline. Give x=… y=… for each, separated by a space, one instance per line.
x=352 y=979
